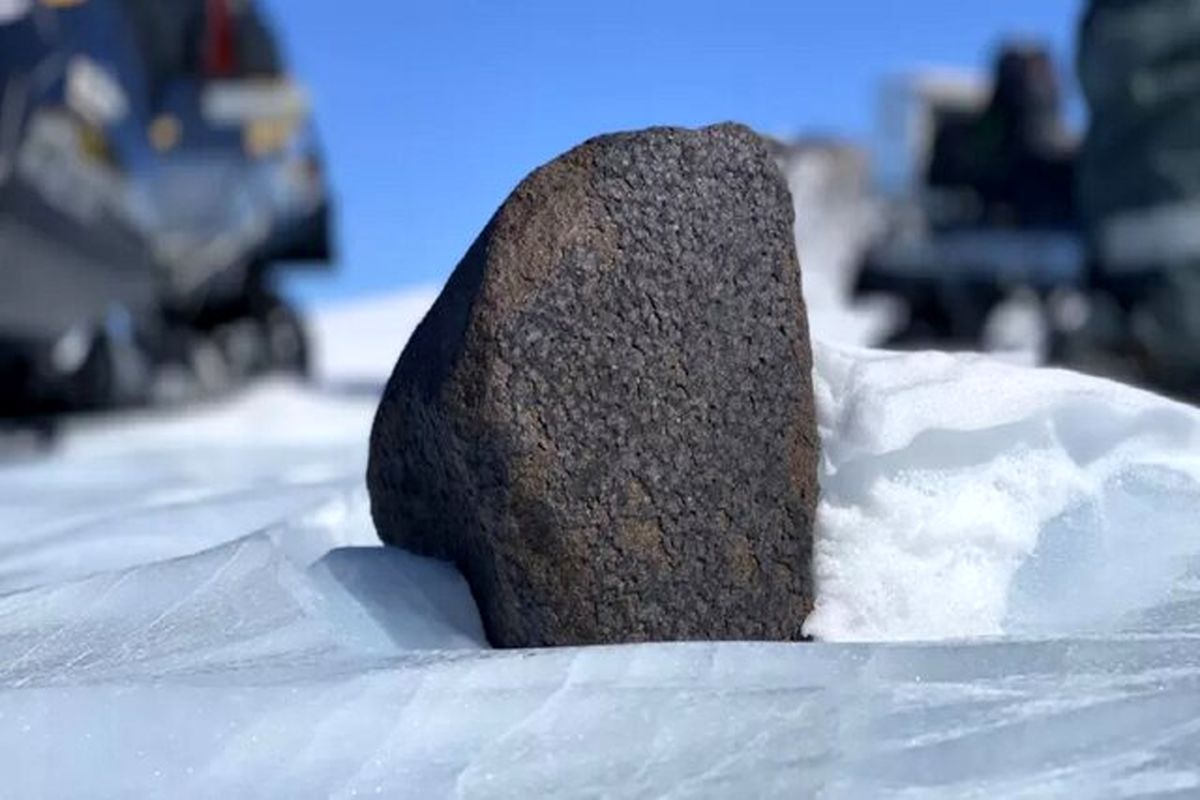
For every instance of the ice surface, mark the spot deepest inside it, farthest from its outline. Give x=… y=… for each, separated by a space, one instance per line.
x=702 y=720
x=242 y=606
x=147 y=488
x=194 y=606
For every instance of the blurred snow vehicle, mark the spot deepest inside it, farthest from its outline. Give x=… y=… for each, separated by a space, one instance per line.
x=1139 y=191
x=156 y=163
x=982 y=183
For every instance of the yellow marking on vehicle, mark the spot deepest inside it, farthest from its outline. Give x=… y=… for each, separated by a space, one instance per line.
x=267 y=136
x=165 y=132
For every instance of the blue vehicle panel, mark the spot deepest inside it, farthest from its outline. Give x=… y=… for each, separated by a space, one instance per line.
x=156 y=165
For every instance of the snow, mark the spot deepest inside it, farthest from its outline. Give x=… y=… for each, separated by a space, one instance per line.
x=965 y=496
x=358 y=342
x=836 y=219
x=196 y=605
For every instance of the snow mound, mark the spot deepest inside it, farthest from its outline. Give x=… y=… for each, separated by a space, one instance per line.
x=964 y=496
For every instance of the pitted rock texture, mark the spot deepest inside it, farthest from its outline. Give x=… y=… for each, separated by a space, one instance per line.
x=607 y=420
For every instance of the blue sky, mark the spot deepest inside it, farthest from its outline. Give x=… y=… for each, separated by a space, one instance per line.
x=432 y=111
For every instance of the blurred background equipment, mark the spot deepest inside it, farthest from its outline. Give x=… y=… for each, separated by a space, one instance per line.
x=838 y=215
x=156 y=164
x=1139 y=191
x=1001 y=231
x=982 y=205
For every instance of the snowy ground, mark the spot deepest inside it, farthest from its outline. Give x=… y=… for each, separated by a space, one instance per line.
x=1009 y=600
x=194 y=606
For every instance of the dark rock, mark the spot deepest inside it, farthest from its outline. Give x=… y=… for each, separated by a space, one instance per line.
x=607 y=418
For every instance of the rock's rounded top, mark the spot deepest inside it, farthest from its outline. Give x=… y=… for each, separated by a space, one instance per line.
x=646 y=182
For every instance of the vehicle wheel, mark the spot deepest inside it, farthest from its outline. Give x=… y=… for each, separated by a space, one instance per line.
x=245 y=346
x=113 y=375
x=208 y=366
x=287 y=341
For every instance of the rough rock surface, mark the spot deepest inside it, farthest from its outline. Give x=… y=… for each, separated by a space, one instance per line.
x=606 y=419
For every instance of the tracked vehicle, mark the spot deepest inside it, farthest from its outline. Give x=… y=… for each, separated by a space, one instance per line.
x=157 y=168
x=983 y=207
